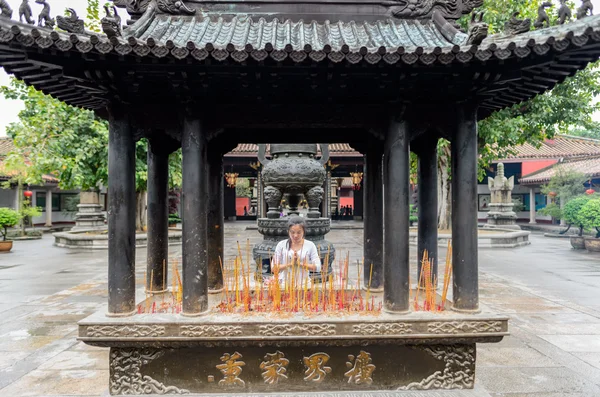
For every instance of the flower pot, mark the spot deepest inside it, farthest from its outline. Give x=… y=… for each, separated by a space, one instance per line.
x=592 y=244
x=578 y=242
x=5 y=246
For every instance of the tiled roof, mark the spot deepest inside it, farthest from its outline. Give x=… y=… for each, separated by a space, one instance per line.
x=6 y=145
x=590 y=166
x=335 y=149
x=242 y=31
x=562 y=146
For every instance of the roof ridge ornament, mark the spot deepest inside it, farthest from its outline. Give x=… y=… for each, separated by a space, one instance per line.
x=45 y=15
x=564 y=12
x=543 y=16
x=25 y=12
x=5 y=10
x=111 y=23
x=478 y=30
x=586 y=5
x=175 y=7
x=72 y=23
x=449 y=9
x=516 y=26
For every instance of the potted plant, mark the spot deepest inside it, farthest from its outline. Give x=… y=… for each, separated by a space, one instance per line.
x=174 y=219
x=8 y=218
x=590 y=214
x=413 y=217
x=571 y=215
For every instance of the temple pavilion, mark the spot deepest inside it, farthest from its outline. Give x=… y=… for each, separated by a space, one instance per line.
x=387 y=77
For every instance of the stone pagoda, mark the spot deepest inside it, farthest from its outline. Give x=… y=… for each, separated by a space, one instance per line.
x=501 y=214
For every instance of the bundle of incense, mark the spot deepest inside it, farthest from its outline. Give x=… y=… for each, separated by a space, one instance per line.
x=447 y=274
x=420 y=280
x=369 y=286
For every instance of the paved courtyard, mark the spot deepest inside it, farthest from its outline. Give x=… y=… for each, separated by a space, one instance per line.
x=551 y=293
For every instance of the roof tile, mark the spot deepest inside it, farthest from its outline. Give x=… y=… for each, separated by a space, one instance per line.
x=589 y=166
x=562 y=146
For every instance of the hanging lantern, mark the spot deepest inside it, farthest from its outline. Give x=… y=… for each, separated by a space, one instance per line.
x=28 y=193
x=552 y=194
x=339 y=181
x=231 y=178
x=590 y=191
x=356 y=179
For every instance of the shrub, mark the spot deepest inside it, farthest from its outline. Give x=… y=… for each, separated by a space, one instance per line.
x=572 y=210
x=590 y=215
x=8 y=218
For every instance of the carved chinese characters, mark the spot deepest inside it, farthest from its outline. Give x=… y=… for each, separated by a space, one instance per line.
x=361 y=369
x=274 y=367
x=316 y=371
x=231 y=370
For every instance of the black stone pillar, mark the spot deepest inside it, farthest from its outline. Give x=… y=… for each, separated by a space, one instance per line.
x=464 y=210
x=358 y=210
x=373 y=212
x=215 y=217
x=428 y=205
x=158 y=217
x=195 y=255
x=229 y=202
x=121 y=216
x=396 y=289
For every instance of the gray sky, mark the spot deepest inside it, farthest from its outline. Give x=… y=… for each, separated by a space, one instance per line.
x=9 y=110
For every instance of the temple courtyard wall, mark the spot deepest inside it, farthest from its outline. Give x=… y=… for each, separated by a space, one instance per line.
x=549 y=291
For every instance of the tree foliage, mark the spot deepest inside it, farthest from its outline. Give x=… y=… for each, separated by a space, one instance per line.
x=590 y=215
x=572 y=211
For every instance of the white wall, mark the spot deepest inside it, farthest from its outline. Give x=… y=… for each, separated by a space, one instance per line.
x=7 y=198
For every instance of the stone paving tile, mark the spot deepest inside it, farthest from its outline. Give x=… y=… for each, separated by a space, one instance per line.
x=59 y=383
x=539 y=395
x=511 y=357
x=575 y=343
x=78 y=360
x=590 y=358
x=8 y=359
x=533 y=380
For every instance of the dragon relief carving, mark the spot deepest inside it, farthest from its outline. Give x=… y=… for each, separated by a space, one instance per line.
x=175 y=7
x=449 y=9
x=459 y=368
x=297 y=329
x=138 y=331
x=456 y=327
x=126 y=377
x=211 y=330
x=382 y=329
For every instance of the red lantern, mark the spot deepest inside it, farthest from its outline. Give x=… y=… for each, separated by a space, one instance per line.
x=28 y=193
x=590 y=191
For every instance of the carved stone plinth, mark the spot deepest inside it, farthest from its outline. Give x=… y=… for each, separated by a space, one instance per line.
x=501 y=214
x=267 y=353
x=90 y=216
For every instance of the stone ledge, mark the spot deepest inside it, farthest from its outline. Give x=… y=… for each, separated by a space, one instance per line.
x=478 y=391
x=235 y=329
x=503 y=239
x=79 y=239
